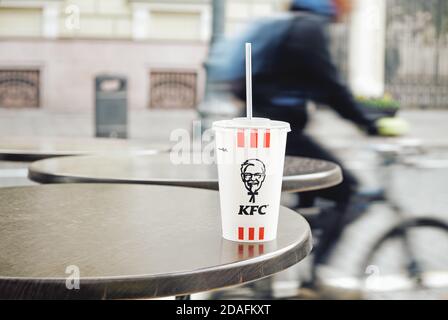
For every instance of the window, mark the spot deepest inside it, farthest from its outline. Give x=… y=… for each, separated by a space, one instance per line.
x=19 y=88
x=173 y=89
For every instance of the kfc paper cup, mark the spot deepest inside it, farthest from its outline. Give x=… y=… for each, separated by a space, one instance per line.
x=250 y=154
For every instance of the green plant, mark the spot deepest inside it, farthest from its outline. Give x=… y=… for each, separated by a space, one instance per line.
x=383 y=102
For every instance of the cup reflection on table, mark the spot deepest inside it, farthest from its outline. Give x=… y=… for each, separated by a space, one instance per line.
x=234 y=251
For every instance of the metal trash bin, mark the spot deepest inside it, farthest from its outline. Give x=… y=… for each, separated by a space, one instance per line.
x=111 y=114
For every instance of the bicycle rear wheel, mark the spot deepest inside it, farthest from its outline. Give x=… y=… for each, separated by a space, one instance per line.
x=417 y=273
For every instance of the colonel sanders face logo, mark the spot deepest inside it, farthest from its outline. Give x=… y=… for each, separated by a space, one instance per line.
x=253 y=173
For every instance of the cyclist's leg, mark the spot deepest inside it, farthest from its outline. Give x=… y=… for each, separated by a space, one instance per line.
x=304 y=146
x=333 y=221
x=300 y=144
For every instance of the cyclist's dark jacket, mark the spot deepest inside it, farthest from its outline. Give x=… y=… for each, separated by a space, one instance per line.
x=299 y=69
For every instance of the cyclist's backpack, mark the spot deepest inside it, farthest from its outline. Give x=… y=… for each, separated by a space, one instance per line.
x=227 y=58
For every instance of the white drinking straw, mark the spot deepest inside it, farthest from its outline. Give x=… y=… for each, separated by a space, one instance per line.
x=248 y=80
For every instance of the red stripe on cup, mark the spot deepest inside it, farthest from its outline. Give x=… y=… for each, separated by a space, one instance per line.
x=240 y=138
x=261 y=233
x=253 y=139
x=251 y=233
x=260 y=249
x=240 y=233
x=267 y=139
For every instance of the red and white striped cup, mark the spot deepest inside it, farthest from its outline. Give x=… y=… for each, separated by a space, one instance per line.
x=250 y=154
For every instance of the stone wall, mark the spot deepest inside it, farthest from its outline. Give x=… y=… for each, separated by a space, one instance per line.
x=68 y=67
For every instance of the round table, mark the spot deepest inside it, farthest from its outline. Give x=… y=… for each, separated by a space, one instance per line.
x=300 y=174
x=35 y=148
x=129 y=241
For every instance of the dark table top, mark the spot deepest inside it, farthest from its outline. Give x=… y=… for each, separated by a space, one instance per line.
x=35 y=148
x=130 y=241
x=300 y=174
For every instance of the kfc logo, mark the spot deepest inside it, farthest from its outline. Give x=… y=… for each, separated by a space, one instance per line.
x=253 y=173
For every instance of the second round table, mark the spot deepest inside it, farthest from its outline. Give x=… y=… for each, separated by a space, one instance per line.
x=300 y=174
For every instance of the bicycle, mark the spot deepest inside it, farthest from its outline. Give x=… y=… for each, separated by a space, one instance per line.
x=391 y=152
x=394 y=152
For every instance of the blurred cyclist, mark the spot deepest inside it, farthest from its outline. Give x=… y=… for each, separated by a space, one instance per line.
x=292 y=64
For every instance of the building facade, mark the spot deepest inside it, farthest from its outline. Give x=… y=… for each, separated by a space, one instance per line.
x=51 y=51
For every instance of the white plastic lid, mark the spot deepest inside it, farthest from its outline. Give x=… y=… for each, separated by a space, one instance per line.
x=254 y=123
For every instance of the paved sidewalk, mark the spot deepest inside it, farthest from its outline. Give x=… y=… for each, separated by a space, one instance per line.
x=153 y=125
